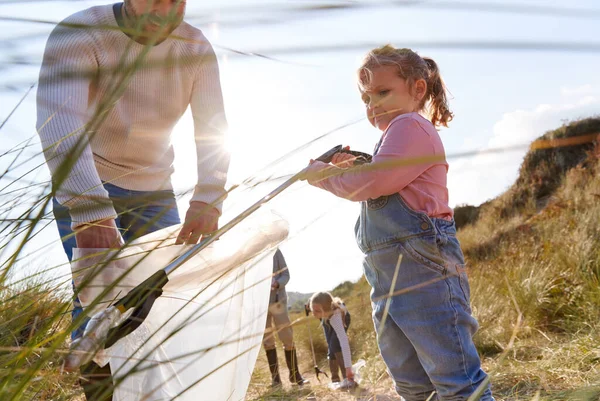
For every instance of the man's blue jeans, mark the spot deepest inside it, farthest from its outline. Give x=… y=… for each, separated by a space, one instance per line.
x=139 y=213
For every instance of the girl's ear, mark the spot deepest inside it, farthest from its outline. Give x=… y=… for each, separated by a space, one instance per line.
x=420 y=89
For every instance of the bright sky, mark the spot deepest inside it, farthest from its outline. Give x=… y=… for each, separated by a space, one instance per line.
x=500 y=98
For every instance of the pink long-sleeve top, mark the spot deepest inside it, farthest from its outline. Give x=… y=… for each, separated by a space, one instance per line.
x=410 y=161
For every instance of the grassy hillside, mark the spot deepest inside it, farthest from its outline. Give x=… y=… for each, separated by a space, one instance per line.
x=297 y=300
x=534 y=257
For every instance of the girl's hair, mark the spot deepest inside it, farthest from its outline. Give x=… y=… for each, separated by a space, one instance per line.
x=411 y=67
x=328 y=302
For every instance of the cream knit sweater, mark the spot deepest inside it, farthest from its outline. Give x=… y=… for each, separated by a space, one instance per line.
x=106 y=106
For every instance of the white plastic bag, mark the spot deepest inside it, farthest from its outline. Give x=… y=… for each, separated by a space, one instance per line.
x=347 y=384
x=202 y=337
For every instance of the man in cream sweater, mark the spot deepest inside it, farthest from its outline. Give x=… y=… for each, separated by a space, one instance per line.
x=114 y=81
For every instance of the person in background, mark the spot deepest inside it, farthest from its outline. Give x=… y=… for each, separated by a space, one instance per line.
x=335 y=319
x=278 y=321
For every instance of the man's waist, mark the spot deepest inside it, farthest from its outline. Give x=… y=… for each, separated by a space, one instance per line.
x=152 y=178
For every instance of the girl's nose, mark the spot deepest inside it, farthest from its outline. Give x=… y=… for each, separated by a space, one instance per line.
x=374 y=110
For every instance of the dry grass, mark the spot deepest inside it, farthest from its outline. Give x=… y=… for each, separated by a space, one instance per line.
x=551 y=262
x=34 y=320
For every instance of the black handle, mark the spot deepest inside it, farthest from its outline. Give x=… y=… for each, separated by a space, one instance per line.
x=361 y=158
x=138 y=295
x=326 y=157
x=141 y=298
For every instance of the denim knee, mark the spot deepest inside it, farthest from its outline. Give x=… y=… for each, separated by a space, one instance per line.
x=432 y=344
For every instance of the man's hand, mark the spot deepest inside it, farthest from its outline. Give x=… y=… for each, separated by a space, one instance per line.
x=274 y=284
x=201 y=218
x=99 y=234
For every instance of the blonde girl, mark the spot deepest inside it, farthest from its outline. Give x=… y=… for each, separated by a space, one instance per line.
x=406 y=230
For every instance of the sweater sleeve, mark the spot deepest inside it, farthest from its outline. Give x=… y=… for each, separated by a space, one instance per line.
x=406 y=152
x=338 y=327
x=68 y=67
x=210 y=126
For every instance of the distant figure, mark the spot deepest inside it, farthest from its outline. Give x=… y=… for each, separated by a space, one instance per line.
x=278 y=316
x=335 y=319
x=406 y=230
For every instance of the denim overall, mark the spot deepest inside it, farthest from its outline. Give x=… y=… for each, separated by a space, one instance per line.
x=426 y=337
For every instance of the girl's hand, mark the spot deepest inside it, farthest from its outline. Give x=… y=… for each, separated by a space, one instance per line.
x=343 y=160
x=349 y=374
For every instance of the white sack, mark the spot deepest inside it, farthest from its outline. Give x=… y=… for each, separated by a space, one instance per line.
x=202 y=337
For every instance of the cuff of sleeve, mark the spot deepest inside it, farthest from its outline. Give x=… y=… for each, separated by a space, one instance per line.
x=211 y=196
x=92 y=211
x=319 y=171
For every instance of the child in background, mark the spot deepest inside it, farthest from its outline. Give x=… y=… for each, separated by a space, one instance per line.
x=335 y=320
x=406 y=230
